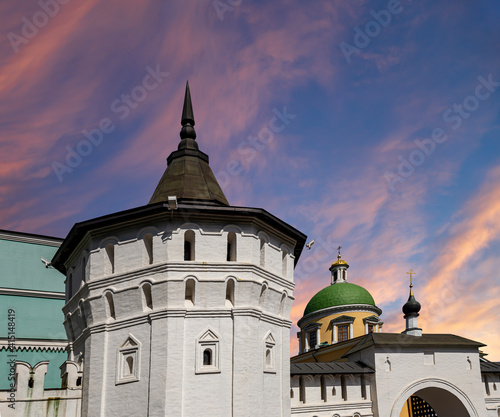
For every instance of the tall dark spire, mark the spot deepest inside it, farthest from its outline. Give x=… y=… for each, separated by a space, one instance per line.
x=187 y=119
x=188 y=175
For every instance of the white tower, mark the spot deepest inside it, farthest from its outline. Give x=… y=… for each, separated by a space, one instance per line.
x=181 y=307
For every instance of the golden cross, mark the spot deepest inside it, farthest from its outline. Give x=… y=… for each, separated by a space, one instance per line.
x=340 y=247
x=411 y=276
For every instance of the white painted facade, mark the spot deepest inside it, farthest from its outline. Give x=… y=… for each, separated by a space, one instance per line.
x=166 y=314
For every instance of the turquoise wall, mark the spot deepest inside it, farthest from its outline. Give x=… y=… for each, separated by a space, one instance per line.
x=53 y=376
x=21 y=267
x=35 y=318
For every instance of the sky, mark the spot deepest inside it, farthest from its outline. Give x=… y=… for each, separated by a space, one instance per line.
x=368 y=124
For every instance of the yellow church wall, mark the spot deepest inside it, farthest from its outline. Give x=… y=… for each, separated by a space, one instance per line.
x=327 y=328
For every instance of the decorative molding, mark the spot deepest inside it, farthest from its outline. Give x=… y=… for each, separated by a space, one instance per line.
x=350 y=308
x=35 y=345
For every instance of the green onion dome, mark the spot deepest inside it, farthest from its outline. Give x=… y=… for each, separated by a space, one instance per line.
x=339 y=294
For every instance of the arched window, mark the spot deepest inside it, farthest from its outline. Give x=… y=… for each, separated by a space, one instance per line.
x=262 y=295
x=82 y=314
x=110 y=305
x=189 y=246
x=284 y=259
x=189 y=295
x=130 y=366
x=128 y=361
x=231 y=246
x=147 y=298
x=262 y=253
x=110 y=252
x=268 y=357
x=282 y=304
x=84 y=269
x=230 y=293
x=207 y=353
x=69 y=327
x=207 y=357
x=148 y=245
x=69 y=287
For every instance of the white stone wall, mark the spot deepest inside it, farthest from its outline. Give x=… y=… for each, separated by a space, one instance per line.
x=36 y=401
x=168 y=337
x=491 y=385
x=337 y=401
x=446 y=373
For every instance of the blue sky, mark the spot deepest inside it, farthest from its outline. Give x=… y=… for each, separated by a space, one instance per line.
x=389 y=143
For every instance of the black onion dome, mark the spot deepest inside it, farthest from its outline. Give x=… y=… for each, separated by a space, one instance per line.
x=412 y=306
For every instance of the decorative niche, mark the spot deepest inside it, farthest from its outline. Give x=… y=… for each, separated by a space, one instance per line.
x=128 y=361
x=207 y=353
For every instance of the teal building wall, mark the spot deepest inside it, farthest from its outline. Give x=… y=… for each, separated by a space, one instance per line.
x=31 y=301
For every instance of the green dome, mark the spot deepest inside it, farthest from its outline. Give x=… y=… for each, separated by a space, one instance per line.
x=342 y=293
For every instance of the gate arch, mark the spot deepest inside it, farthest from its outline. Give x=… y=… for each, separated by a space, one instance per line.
x=445 y=398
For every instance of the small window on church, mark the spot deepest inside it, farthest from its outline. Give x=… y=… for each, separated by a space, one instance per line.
x=269 y=353
x=128 y=361
x=207 y=357
x=371 y=328
x=230 y=293
x=189 y=245
x=284 y=259
x=147 y=297
x=207 y=353
x=130 y=365
x=262 y=253
x=148 y=247
x=84 y=269
x=110 y=305
x=313 y=339
x=189 y=295
x=110 y=252
x=343 y=332
x=70 y=286
x=231 y=246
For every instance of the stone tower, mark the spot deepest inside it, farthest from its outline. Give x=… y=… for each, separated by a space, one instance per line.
x=181 y=307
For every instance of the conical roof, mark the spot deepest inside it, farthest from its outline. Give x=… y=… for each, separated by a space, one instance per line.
x=188 y=175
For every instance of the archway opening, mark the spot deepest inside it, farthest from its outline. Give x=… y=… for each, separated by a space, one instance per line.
x=434 y=402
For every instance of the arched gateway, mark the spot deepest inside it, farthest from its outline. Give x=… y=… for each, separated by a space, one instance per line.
x=446 y=399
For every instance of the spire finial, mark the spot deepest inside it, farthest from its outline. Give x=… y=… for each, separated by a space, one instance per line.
x=187 y=119
x=338 y=256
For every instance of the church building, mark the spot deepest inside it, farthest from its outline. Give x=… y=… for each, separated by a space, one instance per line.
x=181 y=307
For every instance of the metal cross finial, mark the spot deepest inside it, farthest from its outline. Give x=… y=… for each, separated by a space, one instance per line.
x=340 y=247
x=412 y=272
